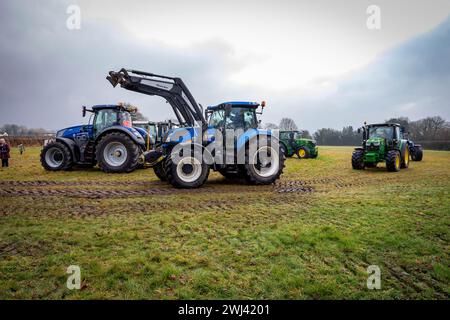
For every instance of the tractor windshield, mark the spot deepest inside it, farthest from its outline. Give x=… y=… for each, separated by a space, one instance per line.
x=238 y=118
x=382 y=132
x=241 y=118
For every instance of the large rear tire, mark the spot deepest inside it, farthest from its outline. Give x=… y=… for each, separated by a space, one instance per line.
x=417 y=154
x=393 y=161
x=189 y=172
x=358 y=160
x=56 y=156
x=265 y=164
x=116 y=152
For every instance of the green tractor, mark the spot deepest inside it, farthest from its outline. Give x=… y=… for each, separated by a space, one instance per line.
x=292 y=143
x=382 y=143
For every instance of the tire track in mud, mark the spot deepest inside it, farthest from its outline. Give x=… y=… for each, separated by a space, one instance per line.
x=43 y=188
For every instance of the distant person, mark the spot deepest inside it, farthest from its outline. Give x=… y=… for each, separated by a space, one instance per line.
x=21 y=148
x=4 y=152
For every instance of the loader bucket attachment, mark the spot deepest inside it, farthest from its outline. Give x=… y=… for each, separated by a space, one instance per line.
x=113 y=78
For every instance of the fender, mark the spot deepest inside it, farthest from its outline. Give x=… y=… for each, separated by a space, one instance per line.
x=129 y=131
x=72 y=147
x=246 y=139
x=206 y=154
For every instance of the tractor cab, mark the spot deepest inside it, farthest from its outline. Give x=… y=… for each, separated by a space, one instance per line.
x=382 y=143
x=106 y=116
x=234 y=115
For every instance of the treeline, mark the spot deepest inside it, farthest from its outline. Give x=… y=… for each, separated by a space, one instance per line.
x=17 y=130
x=431 y=132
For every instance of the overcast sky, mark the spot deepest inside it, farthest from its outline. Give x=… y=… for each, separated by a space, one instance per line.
x=313 y=61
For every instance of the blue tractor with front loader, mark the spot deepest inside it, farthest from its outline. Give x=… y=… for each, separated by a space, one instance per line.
x=109 y=140
x=230 y=142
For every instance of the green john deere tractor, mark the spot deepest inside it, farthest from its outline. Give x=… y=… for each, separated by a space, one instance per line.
x=292 y=143
x=382 y=143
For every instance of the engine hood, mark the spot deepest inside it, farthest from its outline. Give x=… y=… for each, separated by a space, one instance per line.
x=70 y=131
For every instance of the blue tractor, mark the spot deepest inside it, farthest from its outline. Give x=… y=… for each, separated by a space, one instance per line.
x=187 y=153
x=109 y=140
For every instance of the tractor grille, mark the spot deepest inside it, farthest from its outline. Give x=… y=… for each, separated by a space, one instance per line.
x=372 y=147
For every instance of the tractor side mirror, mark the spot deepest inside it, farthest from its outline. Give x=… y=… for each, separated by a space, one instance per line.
x=359 y=130
x=83 y=111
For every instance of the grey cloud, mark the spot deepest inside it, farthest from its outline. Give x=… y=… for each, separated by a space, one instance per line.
x=48 y=72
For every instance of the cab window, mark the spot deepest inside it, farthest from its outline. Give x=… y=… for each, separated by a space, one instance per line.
x=105 y=118
x=249 y=119
x=216 y=119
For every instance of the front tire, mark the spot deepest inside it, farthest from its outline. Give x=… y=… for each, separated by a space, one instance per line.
x=56 y=156
x=405 y=159
x=189 y=173
x=159 y=171
x=393 y=161
x=260 y=169
x=302 y=153
x=417 y=154
x=116 y=152
x=358 y=160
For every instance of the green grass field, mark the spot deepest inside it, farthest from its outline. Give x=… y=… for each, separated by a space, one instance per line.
x=311 y=236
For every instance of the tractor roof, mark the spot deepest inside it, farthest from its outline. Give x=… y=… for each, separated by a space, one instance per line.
x=114 y=107
x=235 y=104
x=105 y=106
x=384 y=125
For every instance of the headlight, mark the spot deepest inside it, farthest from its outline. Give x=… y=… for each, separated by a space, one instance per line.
x=60 y=133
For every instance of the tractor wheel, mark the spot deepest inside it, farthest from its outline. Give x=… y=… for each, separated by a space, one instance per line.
x=116 y=152
x=405 y=159
x=417 y=155
x=188 y=173
x=358 y=160
x=302 y=153
x=315 y=155
x=393 y=161
x=159 y=171
x=284 y=150
x=264 y=165
x=56 y=156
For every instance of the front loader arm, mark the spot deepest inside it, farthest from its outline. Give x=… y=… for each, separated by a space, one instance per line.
x=173 y=90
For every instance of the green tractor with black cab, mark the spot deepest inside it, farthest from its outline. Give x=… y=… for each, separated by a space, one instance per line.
x=292 y=143
x=382 y=143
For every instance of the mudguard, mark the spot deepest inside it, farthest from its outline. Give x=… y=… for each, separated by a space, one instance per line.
x=72 y=147
x=131 y=132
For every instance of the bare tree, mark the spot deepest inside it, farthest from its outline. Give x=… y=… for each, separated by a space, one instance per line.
x=287 y=124
x=269 y=125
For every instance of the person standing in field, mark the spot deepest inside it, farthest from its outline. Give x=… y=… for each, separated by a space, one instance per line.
x=21 y=148
x=4 y=152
